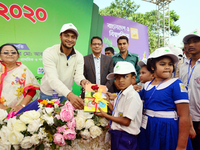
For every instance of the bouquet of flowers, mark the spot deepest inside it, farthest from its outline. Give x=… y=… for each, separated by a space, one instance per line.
x=54 y=126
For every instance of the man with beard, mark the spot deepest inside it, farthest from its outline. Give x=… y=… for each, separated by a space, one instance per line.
x=63 y=65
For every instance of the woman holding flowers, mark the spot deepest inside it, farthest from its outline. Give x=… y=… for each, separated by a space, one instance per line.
x=17 y=83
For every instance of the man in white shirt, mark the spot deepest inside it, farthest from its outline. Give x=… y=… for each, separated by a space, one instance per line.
x=63 y=65
x=97 y=66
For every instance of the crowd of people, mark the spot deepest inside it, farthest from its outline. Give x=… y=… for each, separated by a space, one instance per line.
x=157 y=104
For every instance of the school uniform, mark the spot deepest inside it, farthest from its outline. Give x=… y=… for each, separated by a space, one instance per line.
x=191 y=76
x=129 y=105
x=161 y=130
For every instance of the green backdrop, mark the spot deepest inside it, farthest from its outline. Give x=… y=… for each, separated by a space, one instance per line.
x=39 y=35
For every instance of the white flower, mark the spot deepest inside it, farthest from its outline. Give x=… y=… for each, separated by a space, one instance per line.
x=11 y=122
x=104 y=122
x=35 y=139
x=89 y=123
x=34 y=114
x=3 y=114
x=80 y=122
x=15 y=137
x=4 y=133
x=56 y=105
x=42 y=134
x=86 y=115
x=5 y=145
x=19 y=125
x=26 y=117
x=85 y=134
x=95 y=131
x=26 y=143
x=34 y=125
x=48 y=110
x=48 y=119
x=16 y=146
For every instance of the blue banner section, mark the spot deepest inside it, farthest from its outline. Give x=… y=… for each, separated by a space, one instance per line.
x=20 y=46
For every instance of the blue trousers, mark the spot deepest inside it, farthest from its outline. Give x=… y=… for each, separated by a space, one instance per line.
x=121 y=140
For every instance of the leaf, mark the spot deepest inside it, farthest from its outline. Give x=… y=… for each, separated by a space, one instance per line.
x=40 y=147
x=8 y=110
x=53 y=146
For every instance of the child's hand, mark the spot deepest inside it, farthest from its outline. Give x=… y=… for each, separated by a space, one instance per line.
x=111 y=96
x=137 y=87
x=101 y=113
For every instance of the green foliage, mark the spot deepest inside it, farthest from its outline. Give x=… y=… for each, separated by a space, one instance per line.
x=127 y=9
x=40 y=147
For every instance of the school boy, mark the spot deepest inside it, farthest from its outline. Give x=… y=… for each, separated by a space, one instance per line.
x=127 y=111
x=190 y=76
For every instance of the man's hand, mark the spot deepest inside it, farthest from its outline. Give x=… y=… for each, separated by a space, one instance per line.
x=76 y=101
x=84 y=82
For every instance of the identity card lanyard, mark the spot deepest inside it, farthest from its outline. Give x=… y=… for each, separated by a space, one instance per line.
x=116 y=104
x=175 y=69
x=189 y=74
x=145 y=104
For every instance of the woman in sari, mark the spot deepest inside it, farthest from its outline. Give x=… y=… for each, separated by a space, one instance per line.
x=17 y=83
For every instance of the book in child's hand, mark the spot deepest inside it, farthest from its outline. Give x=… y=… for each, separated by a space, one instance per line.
x=95 y=96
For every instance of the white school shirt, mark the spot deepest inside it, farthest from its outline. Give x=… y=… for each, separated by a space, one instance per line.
x=130 y=106
x=193 y=88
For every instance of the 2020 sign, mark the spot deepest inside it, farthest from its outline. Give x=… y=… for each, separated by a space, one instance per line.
x=17 y=12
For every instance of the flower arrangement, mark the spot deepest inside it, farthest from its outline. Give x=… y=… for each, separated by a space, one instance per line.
x=54 y=125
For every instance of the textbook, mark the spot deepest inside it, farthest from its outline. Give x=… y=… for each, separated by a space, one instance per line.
x=95 y=96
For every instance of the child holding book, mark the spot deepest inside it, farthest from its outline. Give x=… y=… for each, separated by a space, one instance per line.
x=127 y=111
x=165 y=124
x=190 y=76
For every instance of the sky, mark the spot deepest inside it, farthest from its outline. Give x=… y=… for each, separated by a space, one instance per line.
x=188 y=11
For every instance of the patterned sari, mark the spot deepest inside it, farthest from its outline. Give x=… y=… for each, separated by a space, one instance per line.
x=15 y=83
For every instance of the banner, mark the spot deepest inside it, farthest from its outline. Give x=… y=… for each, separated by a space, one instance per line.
x=114 y=27
x=33 y=26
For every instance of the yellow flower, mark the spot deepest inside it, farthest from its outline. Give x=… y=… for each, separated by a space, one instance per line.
x=23 y=75
x=20 y=91
x=44 y=102
x=52 y=102
x=2 y=100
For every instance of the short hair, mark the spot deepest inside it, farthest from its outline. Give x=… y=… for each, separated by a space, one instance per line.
x=96 y=37
x=122 y=37
x=9 y=45
x=151 y=63
x=109 y=49
x=133 y=74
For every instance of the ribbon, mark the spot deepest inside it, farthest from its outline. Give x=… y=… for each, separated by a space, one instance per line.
x=97 y=99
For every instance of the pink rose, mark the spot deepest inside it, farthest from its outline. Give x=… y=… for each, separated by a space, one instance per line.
x=58 y=117
x=57 y=101
x=66 y=115
x=61 y=129
x=69 y=106
x=71 y=124
x=69 y=134
x=59 y=139
x=11 y=115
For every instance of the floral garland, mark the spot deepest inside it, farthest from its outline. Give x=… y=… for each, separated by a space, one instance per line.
x=54 y=125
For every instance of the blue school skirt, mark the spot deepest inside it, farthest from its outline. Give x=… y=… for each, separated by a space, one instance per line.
x=160 y=134
x=121 y=140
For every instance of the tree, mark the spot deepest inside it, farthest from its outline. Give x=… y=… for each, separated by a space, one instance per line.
x=127 y=9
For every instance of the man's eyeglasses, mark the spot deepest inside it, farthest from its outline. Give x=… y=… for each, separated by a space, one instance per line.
x=94 y=44
x=7 y=52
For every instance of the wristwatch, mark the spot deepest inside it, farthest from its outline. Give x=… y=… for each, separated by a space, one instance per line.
x=23 y=105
